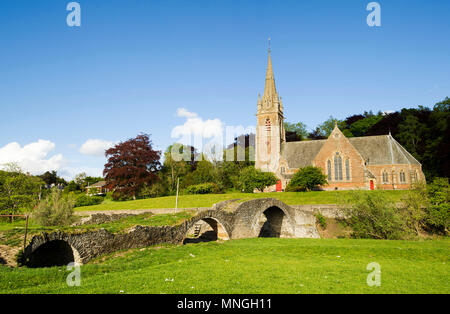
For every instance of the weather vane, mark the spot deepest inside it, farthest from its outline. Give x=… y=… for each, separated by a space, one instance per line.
x=269 y=44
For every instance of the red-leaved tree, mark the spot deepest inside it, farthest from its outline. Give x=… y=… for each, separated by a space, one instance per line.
x=131 y=165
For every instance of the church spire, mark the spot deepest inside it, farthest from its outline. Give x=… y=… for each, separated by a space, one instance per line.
x=270 y=96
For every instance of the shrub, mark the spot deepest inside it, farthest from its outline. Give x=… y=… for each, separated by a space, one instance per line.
x=251 y=179
x=55 y=210
x=438 y=210
x=307 y=179
x=375 y=216
x=321 y=220
x=205 y=188
x=86 y=200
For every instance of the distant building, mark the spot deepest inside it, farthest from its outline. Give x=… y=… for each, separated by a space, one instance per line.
x=372 y=162
x=97 y=188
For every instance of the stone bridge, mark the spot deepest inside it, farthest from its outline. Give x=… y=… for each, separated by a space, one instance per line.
x=228 y=220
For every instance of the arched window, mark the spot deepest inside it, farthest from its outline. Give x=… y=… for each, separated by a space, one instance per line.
x=385 y=177
x=402 y=177
x=414 y=176
x=338 y=167
x=268 y=125
x=347 y=169
x=329 y=170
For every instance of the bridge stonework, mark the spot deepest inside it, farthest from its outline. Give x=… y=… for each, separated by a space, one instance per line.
x=230 y=220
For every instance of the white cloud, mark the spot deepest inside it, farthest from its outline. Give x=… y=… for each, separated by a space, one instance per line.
x=204 y=135
x=182 y=112
x=197 y=127
x=33 y=158
x=95 y=147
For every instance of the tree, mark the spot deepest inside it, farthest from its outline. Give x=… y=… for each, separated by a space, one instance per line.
x=18 y=191
x=295 y=131
x=327 y=127
x=206 y=172
x=173 y=170
x=51 y=177
x=131 y=165
x=307 y=179
x=438 y=211
x=251 y=179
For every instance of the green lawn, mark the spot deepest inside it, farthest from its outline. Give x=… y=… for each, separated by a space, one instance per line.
x=253 y=266
x=190 y=201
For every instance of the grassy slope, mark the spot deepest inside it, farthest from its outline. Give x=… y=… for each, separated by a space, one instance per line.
x=190 y=201
x=253 y=266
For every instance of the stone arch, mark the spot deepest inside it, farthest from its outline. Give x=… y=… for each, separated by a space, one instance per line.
x=55 y=249
x=53 y=253
x=219 y=225
x=273 y=223
x=256 y=216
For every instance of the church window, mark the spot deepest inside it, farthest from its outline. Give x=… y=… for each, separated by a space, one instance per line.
x=338 y=167
x=268 y=125
x=282 y=170
x=402 y=177
x=414 y=176
x=385 y=177
x=329 y=170
x=347 y=169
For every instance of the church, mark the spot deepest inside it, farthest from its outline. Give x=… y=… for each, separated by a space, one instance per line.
x=370 y=162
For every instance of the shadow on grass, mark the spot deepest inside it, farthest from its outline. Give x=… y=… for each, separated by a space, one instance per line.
x=208 y=236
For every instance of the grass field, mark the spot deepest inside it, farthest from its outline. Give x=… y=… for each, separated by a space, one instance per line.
x=252 y=266
x=191 y=201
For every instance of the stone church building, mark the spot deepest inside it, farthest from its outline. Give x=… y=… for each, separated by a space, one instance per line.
x=370 y=162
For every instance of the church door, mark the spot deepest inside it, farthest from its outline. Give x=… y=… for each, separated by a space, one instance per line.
x=279 y=186
x=372 y=186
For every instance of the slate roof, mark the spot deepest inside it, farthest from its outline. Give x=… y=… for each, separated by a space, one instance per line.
x=301 y=154
x=99 y=184
x=376 y=150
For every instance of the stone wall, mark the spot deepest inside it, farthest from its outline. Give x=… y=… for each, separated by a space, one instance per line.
x=229 y=221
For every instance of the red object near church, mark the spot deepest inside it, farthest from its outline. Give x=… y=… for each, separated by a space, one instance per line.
x=372 y=187
x=279 y=186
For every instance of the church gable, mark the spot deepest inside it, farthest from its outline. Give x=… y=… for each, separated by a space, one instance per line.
x=340 y=161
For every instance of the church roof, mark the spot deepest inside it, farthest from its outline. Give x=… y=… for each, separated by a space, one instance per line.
x=301 y=154
x=382 y=150
x=376 y=150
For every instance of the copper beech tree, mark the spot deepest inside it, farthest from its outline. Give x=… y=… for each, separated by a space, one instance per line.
x=131 y=165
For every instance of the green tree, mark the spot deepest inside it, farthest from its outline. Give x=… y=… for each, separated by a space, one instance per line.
x=307 y=179
x=206 y=172
x=438 y=211
x=18 y=191
x=172 y=169
x=327 y=127
x=360 y=127
x=251 y=179
x=299 y=129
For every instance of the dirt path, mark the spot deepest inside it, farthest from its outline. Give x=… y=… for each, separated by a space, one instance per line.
x=8 y=255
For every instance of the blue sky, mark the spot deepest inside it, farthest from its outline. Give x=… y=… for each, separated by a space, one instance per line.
x=132 y=64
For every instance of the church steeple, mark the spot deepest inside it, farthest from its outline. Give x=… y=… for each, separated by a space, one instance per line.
x=270 y=134
x=270 y=100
